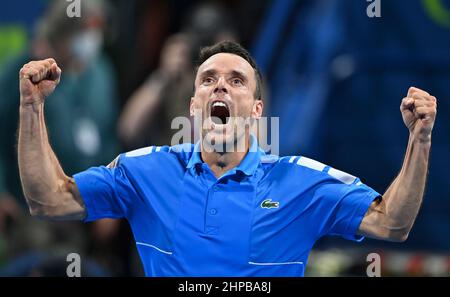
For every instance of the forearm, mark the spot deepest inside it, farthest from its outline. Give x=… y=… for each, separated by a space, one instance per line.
x=392 y=217
x=140 y=109
x=49 y=192
x=403 y=198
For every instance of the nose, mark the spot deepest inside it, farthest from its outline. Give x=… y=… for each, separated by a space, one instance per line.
x=221 y=86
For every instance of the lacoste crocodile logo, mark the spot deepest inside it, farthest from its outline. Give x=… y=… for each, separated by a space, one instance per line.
x=268 y=203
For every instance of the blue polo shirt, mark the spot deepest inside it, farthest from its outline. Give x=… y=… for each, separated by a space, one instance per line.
x=259 y=219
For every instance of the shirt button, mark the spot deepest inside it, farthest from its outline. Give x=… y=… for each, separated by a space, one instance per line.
x=213 y=211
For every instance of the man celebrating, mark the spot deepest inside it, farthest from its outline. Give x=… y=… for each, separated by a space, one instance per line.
x=199 y=211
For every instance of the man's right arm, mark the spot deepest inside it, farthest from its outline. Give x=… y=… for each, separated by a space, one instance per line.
x=47 y=189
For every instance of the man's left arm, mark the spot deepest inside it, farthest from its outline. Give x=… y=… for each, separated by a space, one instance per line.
x=392 y=216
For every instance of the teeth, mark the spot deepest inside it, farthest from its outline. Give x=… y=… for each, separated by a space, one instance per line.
x=219 y=104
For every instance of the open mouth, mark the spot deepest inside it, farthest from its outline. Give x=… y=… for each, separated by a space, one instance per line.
x=220 y=113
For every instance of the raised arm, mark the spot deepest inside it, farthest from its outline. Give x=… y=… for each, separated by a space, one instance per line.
x=392 y=217
x=48 y=191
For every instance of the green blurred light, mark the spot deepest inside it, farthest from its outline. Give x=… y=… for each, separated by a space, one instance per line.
x=13 y=39
x=438 y=12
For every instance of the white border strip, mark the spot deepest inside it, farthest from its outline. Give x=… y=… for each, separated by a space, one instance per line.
x=310 y=163
x=152 y=246
x=342 y=176
x=139 y=152
x=282 y=263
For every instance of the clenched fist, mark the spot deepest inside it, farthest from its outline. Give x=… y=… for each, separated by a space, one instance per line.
x=419 y=113
x=38 y=79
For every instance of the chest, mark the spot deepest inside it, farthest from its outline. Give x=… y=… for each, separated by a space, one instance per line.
x=214 y=227
x=246 y=217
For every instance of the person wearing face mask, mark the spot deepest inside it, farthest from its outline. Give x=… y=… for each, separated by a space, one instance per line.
x=81 y=115
x=86 y=45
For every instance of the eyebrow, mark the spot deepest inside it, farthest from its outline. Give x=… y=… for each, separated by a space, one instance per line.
x=209 y=72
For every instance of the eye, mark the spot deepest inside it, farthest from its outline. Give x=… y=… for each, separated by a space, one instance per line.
x=237 y=82
x=207 y=80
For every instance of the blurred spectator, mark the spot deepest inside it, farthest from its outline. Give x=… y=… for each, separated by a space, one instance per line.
x=81 y=116
x=166 y=93
x=147 y=116
x=208 y=23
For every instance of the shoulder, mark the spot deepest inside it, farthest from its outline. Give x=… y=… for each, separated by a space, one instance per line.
x=304 y=166
x=102 y=64
x=163 y=155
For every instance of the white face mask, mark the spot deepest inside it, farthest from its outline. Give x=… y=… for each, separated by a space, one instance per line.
x=86 y=45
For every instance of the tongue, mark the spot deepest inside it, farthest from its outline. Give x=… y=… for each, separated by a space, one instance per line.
x=220 y=115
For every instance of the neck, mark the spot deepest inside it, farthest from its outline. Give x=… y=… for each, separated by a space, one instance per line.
x=221 y=162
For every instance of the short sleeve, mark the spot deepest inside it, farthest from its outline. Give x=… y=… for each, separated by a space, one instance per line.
x=106 y=192
x=343 y=206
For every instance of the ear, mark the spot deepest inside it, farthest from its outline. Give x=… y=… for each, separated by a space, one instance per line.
x=258 y=107
x=191 y=107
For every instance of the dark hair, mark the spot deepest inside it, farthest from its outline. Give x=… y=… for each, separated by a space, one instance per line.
x=235 y=48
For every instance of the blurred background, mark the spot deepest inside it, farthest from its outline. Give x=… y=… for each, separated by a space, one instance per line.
x=334 y=76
